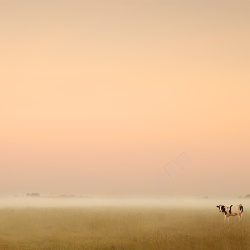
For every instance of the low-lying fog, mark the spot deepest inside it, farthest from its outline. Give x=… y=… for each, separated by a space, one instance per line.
x=21 y=202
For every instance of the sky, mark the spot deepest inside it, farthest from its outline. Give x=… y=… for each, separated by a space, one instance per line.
x=125 y=97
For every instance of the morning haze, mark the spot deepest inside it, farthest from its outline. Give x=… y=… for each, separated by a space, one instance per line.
x=99 y=97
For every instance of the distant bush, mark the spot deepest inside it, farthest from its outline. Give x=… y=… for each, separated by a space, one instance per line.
x=67 y=196
x=33 y=194
x=247 y=196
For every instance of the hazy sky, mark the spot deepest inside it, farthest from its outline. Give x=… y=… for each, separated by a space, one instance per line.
x=97 y=96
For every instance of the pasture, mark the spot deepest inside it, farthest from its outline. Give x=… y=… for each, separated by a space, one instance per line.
x=121 y=227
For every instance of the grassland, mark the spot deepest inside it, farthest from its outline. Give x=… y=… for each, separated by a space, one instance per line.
x=120 y=228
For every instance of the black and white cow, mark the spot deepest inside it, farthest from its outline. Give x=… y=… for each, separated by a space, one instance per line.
x=231 y=210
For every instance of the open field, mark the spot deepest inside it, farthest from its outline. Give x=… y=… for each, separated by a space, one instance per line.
x=124 y=227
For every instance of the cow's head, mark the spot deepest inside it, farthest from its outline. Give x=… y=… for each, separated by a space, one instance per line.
x=221 y=208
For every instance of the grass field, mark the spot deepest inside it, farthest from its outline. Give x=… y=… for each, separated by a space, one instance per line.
x=121 y=228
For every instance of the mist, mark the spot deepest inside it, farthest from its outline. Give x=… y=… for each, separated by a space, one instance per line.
x=103 y=99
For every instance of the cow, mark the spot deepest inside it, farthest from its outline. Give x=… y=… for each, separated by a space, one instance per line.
x=231 y=210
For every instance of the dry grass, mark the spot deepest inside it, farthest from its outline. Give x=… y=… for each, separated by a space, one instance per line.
x=120 y=228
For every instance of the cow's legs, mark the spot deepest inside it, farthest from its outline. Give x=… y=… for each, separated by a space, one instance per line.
x=240 y=216
x=225 y=218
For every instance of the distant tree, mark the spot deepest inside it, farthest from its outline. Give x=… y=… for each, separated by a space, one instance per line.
x=247 y=196
x=35 y=194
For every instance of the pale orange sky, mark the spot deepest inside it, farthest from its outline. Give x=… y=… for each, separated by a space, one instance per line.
x=97 y=96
